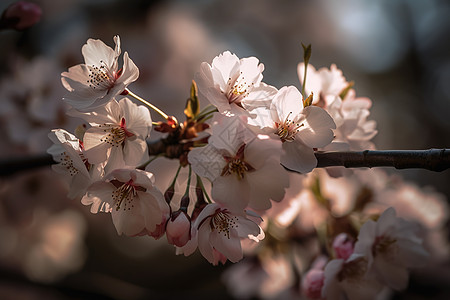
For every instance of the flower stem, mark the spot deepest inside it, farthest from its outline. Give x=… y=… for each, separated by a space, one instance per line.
x=200 y=182
x=165 y=116
x=186 y=193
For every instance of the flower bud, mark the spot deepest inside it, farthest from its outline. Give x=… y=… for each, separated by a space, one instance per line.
x=178 y=229
x=312 y=283
x=20 y=15
x=343 y=246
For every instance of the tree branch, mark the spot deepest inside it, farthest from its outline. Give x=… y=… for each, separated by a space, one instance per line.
x=433 y=159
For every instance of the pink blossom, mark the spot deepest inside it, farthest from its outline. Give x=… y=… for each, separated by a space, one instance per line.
x=99 y=79
x=20 y=15
x=220 y=232
x=312 y=283
x=136 y=205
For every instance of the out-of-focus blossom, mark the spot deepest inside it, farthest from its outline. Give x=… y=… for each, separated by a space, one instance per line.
x=136 y=205
x=234 y=85
x=343 y=246
x=312 y=283
x=20 y=15
x=346 y=279
x=99 y=79
x=117 y=135
x=391 y=247
x=220 y=232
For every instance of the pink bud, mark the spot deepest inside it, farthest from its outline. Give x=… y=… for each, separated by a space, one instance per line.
x=178 y=230
x=312 y=283
x=343 y=246
x=21 y=15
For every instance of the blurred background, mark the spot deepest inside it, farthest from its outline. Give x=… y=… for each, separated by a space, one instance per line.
x=397 y=53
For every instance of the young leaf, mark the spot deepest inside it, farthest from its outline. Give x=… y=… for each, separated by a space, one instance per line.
x=192 y=104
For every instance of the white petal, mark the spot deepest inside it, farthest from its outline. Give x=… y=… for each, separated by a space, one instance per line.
x=95 y=51
x=317 y=130
x=231 y=191
x=230 y=246
x=298 y=157
x=135 y=152
x=287 y=102
x=206 y=162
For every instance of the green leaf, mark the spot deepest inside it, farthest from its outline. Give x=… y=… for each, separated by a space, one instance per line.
x=308 y=101
x=306 y=54
x=192 y=108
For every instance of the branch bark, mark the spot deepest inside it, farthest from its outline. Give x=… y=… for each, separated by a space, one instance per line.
x=433 y=159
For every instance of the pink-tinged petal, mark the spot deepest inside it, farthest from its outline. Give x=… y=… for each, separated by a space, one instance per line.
x=227 y=64
x=137 y=118
x=204 y=245
x=128 y=219
x=206 y=212
x=150 y=210
x=391 y=274
x=130 y=71
x=411 y=254
x=259 y=151
x=210 y=91
x=251 y=70
x=330 y=288
x=298 y=157
x=333 y=82
x=115 y=160
x=144 y=179
x=191 y=245
x=287 y=103
x=95 y=51
x=366 y=238
x=98 y=196
x=231 y=191
x=96 y=150
x=260 y=96
x=135 y=152
x=78 y=186
x=229 y=246
x=316 y=131
x=267 y=183
x=386 y=222
x=247 y=227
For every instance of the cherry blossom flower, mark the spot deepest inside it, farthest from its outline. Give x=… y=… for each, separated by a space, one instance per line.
x=69 y=152
x=299 y=128
x=117 y=135
x=391 y=246
x=136 y=205
x=232 y=84
x=99 y=79
x=346 y=279
x=343 y=246
x=220 y=232
x=323 y=82
x=244 y=170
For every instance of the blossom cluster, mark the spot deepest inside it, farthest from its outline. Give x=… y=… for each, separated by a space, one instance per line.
x=255 y=145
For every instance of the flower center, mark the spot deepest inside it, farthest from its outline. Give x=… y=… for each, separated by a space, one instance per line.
x=102 y=77
x=236 y=164
x=238 y=89
x=124 y=194
x=223 y=222
x=383 y=245
x=116 y=134
x=287 y=129
x=354 y=269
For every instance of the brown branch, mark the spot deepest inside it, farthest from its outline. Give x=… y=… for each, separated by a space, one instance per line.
x=433 y=159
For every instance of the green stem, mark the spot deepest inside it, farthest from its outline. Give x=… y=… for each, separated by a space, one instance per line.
x=199 y=180
x=165 y=116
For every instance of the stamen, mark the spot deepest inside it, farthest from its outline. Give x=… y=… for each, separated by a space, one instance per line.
x=238 y=89
x=102 y=77
x=124 y=194
x=67 y=162
x=237 y=164
x=223 y=222
x=117 y=133
x=287 y=130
